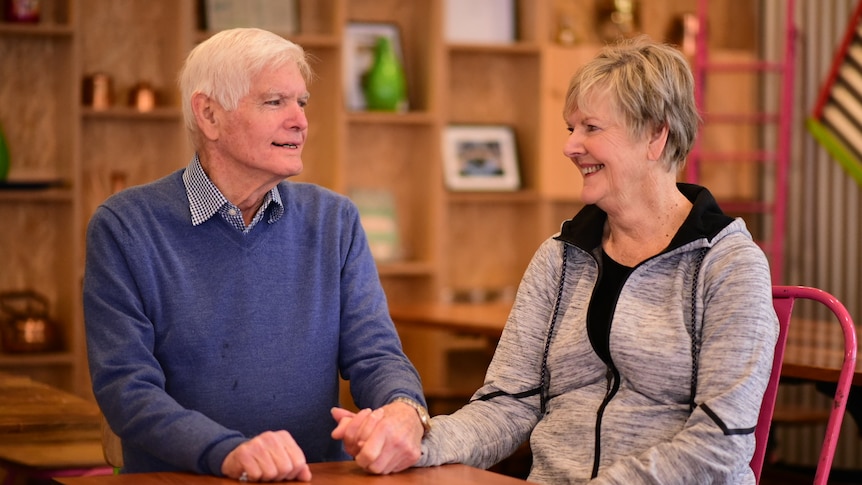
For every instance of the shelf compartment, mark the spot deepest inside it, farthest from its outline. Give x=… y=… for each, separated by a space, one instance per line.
x=38 y=108
x=499 y=81
x=133 y=42
x=402 y=159
x=53 y=14
x=117 y=152
x=317 y=23
x=420 y=30
x=37 y=247
x=488 y=245
x=54 y=21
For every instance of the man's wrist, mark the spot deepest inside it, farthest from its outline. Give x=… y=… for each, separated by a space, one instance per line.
x=424 y=417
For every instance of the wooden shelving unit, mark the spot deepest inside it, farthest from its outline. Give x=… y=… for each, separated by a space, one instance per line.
x=451 y=240
x=39 y=114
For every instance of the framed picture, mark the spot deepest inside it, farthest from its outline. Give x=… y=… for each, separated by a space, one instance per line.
x=480 y=157
x=279 y=16
x=480 y=21
x=359 y=41
x=379 y=219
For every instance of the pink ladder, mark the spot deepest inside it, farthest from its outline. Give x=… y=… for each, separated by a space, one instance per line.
x=773 y=207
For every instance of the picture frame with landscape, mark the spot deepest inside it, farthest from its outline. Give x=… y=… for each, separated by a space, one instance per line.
x=480 y=157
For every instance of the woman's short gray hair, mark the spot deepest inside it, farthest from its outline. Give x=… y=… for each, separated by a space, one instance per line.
x=223 y=66
x=652 y=86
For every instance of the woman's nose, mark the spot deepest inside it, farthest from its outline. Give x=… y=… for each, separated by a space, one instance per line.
x=573 y=145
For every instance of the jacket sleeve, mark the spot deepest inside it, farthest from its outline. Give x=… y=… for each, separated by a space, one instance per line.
x=484 y=432
x=739 y=331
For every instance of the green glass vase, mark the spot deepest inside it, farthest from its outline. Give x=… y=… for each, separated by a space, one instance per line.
x=4 y=156
x=384 y=85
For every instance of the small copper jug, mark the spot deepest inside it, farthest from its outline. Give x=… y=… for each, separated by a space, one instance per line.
x=25 y=324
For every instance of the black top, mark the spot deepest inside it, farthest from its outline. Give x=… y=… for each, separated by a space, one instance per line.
x=611 y=279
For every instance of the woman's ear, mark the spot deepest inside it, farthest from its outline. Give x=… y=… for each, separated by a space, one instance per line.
x=204 y=109
x=657 y=142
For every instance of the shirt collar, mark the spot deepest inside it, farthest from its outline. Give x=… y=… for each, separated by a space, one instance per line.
x=705 y=220
x=205 y=199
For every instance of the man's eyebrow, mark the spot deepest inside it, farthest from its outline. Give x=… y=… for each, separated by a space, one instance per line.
x=281 y=94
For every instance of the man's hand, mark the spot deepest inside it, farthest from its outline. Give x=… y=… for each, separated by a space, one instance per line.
x=386 y=440
x=272 y=456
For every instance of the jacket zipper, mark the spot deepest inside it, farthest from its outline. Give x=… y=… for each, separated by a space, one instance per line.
x=613 y=380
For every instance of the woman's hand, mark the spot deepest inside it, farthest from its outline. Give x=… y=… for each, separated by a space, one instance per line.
x=386 y=440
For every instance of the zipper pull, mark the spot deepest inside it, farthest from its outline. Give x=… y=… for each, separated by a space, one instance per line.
x=609 y=376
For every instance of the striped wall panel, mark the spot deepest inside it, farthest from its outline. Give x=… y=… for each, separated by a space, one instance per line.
x=823 y=240
x=837 y=119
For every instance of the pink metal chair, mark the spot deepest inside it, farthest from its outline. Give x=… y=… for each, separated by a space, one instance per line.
x=14 y=475
x=783 y=298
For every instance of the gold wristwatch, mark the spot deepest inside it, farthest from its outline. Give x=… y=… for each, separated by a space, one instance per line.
x=424 y=417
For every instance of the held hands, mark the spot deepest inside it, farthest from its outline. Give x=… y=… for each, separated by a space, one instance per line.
x=386 y=440
x=272 y=456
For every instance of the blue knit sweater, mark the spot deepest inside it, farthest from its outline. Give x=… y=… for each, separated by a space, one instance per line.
x=200 y=337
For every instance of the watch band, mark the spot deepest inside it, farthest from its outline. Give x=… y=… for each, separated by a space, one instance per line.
x=424 y=417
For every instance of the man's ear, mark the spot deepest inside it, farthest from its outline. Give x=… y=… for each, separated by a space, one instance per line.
x=657 y=142
x=204 y=109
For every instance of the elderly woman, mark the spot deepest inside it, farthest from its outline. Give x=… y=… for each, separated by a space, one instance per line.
x=641 y=338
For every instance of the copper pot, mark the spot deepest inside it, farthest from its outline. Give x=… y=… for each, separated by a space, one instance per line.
x=25 y=324
x=96 y=91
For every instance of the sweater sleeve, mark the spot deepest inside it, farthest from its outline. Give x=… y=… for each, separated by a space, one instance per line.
x=371 y=356
x=484 y=432
x=128 y=381
x=739 y=331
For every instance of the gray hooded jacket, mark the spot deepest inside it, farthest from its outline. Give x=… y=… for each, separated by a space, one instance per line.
x=654 y=413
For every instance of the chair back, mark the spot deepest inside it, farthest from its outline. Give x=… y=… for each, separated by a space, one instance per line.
x=783 y=298
x=112 y=447
x=783 y=307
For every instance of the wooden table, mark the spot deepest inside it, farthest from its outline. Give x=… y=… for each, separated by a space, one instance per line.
x=486 y=319
x=346 y=472
x=815 y=352
x=31 y=410
x=45 y=432
x=814 y=349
